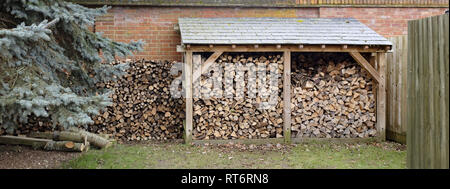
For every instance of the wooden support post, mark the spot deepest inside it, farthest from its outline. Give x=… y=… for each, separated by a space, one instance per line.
x=287 y=97
x=381 y=97
x=373 y=60
x=373 y=63
x=188 y=89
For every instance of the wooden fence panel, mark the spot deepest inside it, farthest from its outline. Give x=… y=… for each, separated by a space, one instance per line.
x=428 y=93
x=396 y=89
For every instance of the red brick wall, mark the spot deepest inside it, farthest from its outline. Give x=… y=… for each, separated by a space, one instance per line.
x=385 y=21
x=155 y=25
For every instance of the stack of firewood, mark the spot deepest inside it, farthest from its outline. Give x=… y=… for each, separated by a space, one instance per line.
x=245 y=117
x=143 y=108
x=332 y=97
x=34 y=124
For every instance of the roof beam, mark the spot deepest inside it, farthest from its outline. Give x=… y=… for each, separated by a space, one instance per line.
x=292 y=48
x=208 y=63
x=366 y=65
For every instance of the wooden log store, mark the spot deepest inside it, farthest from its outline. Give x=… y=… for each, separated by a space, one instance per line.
x=200 y=36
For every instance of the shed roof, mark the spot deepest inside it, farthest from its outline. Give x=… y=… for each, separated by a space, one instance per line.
x=313 y=31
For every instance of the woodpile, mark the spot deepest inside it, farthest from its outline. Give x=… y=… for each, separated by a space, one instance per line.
x=143 y=108
x=332 y=97
x=35 y=124
x=239 y=118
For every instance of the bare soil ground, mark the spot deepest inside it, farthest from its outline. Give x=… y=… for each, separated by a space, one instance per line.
x=21 y=157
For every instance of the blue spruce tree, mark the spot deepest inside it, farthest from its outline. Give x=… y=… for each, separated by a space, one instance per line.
x=50 y=62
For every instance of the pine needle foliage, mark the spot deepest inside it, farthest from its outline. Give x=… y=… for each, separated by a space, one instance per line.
x=50 y=70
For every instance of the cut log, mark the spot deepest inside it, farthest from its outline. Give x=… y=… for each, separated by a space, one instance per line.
x=44 y=144
x=64 y=136
x=68 y=146
x=92 y=138
x=17 y=140
x=59 y=136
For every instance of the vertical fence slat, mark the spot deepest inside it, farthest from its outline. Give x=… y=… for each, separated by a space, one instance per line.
x=444 y=110
x=410 y=95
x=404 y=88
x=435 y=83
x=428 y=96
x=396 y=89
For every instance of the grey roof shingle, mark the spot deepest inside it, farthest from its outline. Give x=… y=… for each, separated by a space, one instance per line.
x=317 y=31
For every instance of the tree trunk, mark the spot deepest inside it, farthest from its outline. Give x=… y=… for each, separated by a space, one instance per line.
x=17 y=140
x=59 y=136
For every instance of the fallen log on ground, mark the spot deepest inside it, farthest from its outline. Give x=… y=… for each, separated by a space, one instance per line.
x=66 y=146
x=92 y=138
x=45 y=144
x=59 y=136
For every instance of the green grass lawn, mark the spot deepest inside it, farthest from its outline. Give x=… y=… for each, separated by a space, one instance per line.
x=385 y=155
